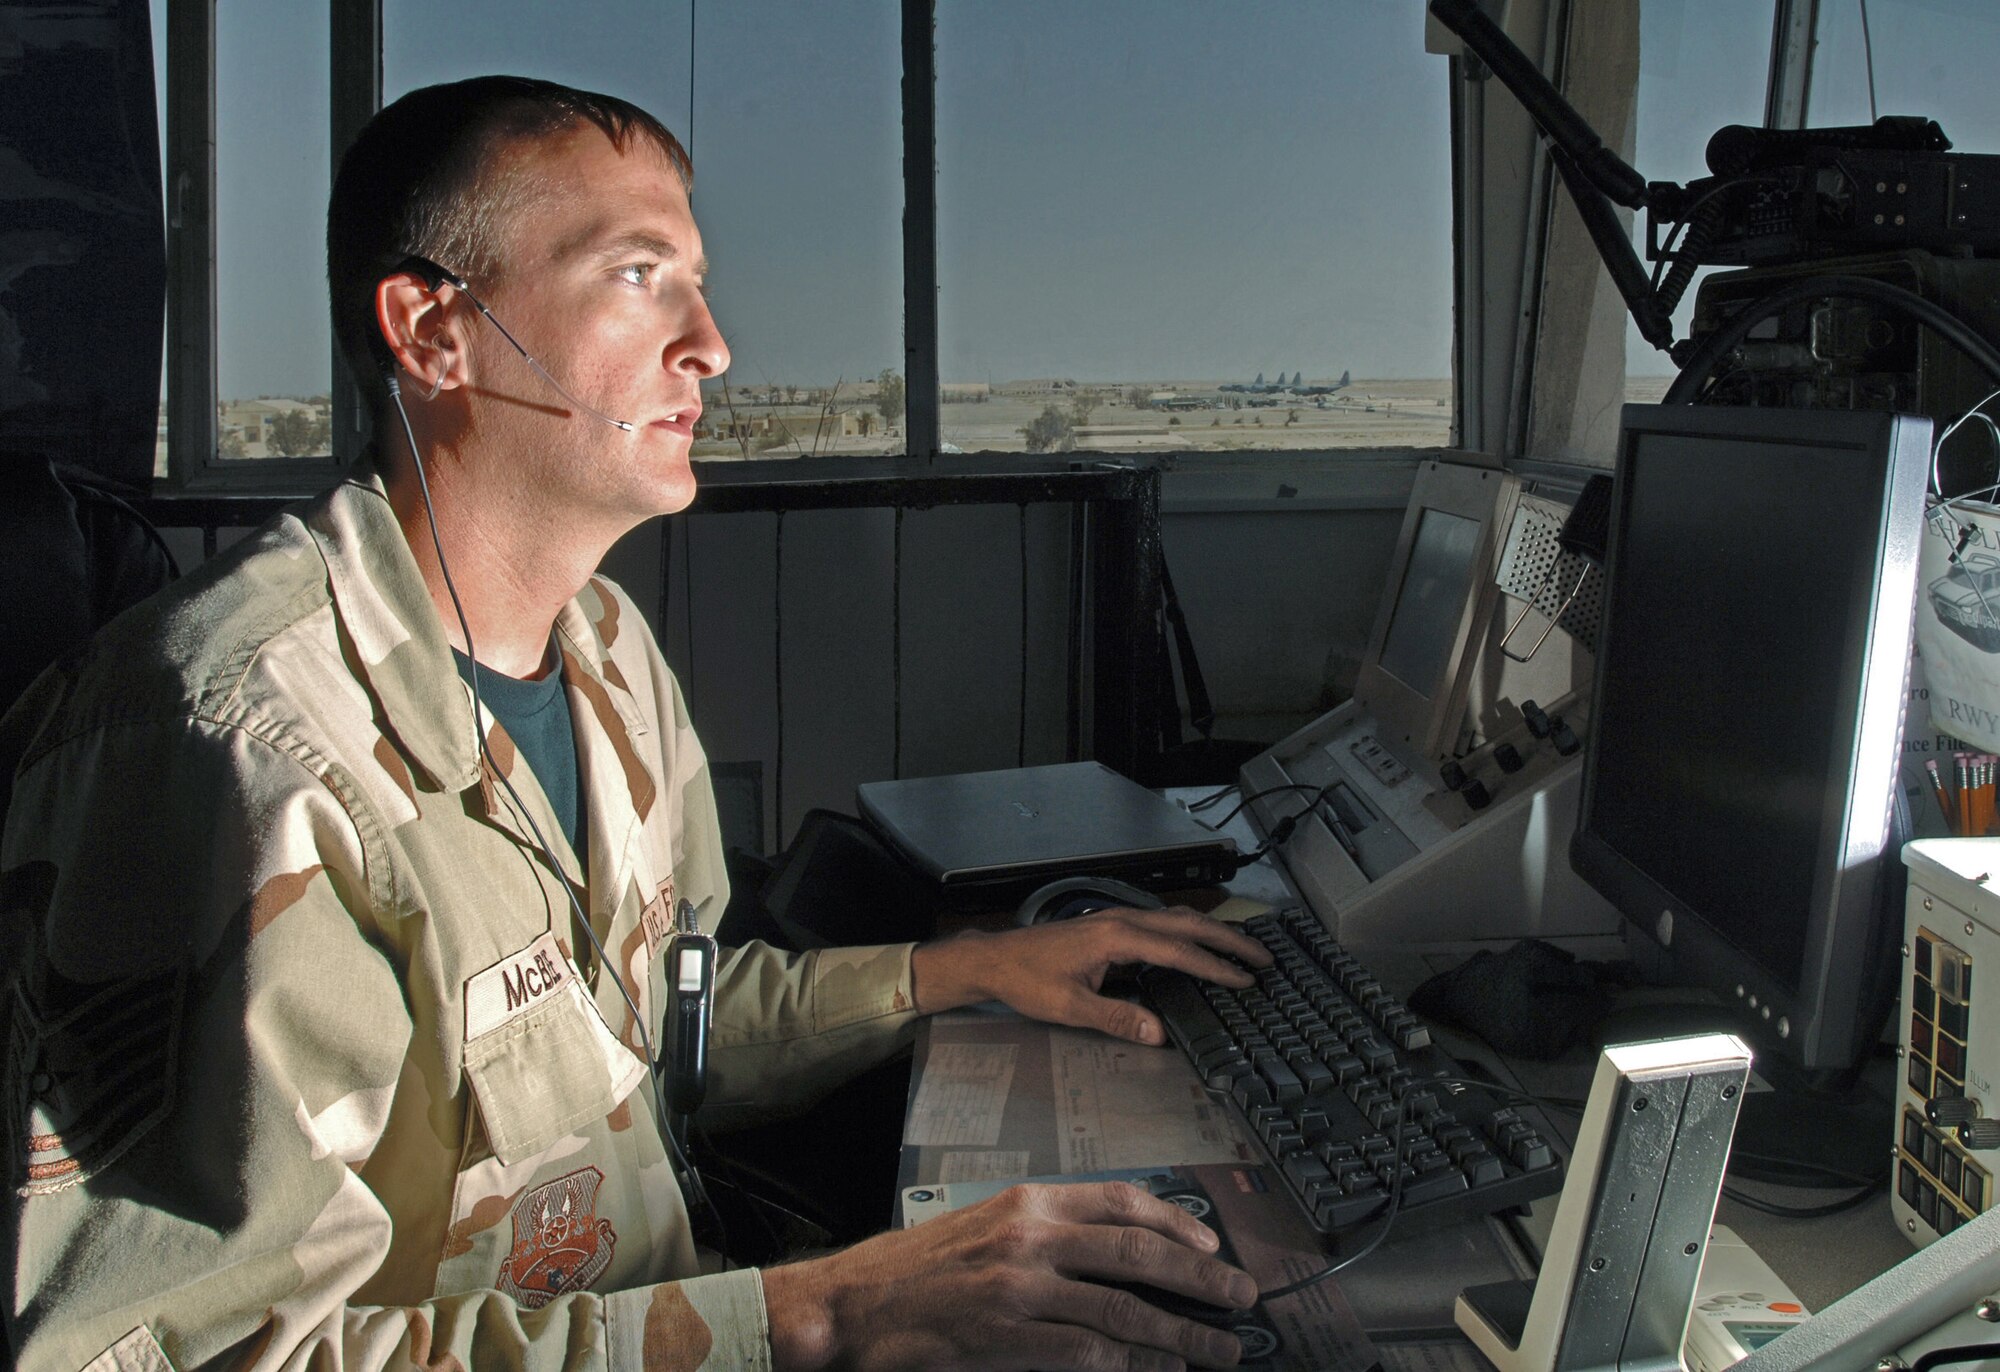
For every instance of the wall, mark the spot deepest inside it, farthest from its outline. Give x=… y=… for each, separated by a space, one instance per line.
x=1280 y=593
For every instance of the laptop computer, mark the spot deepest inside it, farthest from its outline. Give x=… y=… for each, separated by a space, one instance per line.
x=994 y=837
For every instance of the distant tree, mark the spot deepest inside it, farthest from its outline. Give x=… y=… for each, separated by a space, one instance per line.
x=1139 y=398
x=889 y=394
x=231 y=444
x=1081 y=406
x=297 y=433
x=1052 y=432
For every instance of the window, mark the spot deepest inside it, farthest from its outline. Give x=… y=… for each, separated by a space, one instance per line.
x=274 y=347
x=1181 y=226
x=1162 y=226
x=1927 y=57
x=794 y=127
x=1702 y=64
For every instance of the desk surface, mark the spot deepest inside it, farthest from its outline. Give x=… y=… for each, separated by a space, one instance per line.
x=1065 y=1107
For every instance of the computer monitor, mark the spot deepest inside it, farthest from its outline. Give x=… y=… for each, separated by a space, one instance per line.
x=1747 y=708
x=1417 y=673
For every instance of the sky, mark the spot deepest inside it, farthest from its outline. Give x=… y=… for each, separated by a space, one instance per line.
x=1159 y=190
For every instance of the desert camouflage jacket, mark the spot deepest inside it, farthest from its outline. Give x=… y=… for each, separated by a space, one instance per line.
x=306 y=1064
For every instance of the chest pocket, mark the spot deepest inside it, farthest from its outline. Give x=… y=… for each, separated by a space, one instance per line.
x=547 y=1072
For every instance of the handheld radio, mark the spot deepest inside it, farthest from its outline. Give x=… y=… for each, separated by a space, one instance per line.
x=690 y=1004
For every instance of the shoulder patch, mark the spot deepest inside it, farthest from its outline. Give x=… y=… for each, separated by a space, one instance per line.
x=90 y=1071
x=559 y=1242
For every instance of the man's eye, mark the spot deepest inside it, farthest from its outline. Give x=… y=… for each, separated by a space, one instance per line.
x=637 y=273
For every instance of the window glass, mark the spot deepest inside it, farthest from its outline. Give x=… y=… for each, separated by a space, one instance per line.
x=1173 y=225
x=1930 y=57
x=792 y=116
x=1702 y=64
x=274 y=364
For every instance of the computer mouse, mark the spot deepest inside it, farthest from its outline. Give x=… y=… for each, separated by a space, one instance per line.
x=1072 y=896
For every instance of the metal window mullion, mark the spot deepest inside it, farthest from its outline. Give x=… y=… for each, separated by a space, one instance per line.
x=355 y=82
x=190 y=209
x=1793 y=26
x=1540 y=209
x=922 y=427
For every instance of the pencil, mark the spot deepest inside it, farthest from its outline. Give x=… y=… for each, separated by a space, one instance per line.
x=1945 y=806
x=1962 y=766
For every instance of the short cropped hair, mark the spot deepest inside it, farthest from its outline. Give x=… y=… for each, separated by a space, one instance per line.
x=421 y=179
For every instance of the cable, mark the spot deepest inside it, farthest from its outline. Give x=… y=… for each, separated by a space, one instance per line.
x=1213 y=798
x=1942 y=321
x=1868 y=56
x=1388 y=1218
x=1396 y=1185
x=1951 y=1357
x=1259 y=795
x=1686 y=220
x=1807 y=1212
x=548 y=855
x=1783 y=1169
x=778 y=677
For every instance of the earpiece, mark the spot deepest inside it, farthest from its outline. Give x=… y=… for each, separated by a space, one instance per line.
x=435 y=276
x=443 y=367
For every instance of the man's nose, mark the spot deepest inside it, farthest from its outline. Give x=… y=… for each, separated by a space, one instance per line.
x=700 y=348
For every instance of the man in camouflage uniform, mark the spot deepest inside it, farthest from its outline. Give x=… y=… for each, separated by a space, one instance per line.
x=307 y=1060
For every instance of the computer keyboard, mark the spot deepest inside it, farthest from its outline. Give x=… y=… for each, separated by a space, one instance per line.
x=1324 y=1066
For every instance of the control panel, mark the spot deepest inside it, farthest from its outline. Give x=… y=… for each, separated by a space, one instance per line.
x=1475 y=849
x=1947 y=1142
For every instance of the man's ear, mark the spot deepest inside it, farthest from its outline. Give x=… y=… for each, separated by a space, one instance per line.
x=419 y=329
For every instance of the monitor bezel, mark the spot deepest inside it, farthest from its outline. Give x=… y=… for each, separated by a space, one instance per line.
x=1420 y=722
x=1820 y=1016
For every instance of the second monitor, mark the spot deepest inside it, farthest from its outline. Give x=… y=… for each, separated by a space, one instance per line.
x=1747 y=709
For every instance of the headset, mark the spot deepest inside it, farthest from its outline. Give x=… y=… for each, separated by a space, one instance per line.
x=691 y=954
x=435 y=276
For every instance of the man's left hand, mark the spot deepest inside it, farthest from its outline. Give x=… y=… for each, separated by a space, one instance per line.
x=1056 y=972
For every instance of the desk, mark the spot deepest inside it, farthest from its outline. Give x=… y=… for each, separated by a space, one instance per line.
x=1038 y=1101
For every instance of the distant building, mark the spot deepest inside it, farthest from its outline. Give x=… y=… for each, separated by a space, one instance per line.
x=801 y=425
x=1038 y=386
x=249 y=421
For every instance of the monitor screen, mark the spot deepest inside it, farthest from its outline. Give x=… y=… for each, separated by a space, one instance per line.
x=1747 y=704
x=1431 y=601
x=1415 y=677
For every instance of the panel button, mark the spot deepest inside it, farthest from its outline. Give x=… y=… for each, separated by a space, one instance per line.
x=1953 y=1018
x=1951 y=1056
x=1972 y=1187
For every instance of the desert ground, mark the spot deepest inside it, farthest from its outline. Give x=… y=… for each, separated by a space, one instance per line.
x=1182 y=416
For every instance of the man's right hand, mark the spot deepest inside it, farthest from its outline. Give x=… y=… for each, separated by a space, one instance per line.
x=1012 y=1283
